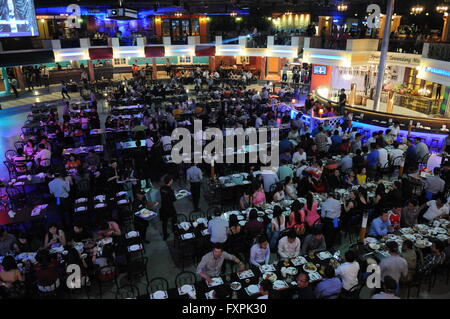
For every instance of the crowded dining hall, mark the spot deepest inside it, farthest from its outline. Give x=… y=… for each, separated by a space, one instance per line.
x=161 y=152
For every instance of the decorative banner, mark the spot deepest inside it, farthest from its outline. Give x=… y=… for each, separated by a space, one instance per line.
x=444 y=103
x=373 y=20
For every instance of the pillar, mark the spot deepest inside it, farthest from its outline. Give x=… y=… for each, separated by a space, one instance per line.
x=212 y=63
x=155 y=69
x=390 y=102
x=91 y=72
x=19 y=77
x=446 y=29
x=325 y=22
x=4 y=88
x=383 y=56
x=352 y=95
x=263 y=68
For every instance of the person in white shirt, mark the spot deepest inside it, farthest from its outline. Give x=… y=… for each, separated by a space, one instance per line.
x=372 y=139
x=348 y=271
x=382 y=156
x=396 y=154
x=300 y=169
x=436 y=208
x=43 y=156
x=289 y=246
x=395 y=129
x=298 y=156
x=166 y=143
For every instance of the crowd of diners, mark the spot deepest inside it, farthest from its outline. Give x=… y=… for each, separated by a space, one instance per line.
x=309 y=166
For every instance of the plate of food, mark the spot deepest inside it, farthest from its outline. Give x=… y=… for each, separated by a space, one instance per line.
x=309 y=267
x=299 y=260
x=270 y=276
x=267 y=268
x=314 y=276
x=235 y=285
x=440 y=230
x=371 y=240
x=324 y=255
x=252 y=289
x=442 y=237
x=292 y=271
x=279 y=284
x=374 y=246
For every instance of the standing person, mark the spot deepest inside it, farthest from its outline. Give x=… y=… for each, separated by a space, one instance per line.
x=342 y=101
x=167 y=210
x=394 y=265
x=331 y=212
x=60 y=189
x=140 y=224
x=64 y=91
x=13 y=84
x=45 y=76
x=194 y=177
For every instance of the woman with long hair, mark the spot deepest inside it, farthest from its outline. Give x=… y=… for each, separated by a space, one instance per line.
x=311 y=210
x=54 y=235
x=276 y=226
x=297 y=218
x=290 y=189
x=259 y=197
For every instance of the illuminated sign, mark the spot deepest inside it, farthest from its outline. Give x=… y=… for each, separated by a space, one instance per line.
x=373 y=20
x=326 y=57
x=437 y=71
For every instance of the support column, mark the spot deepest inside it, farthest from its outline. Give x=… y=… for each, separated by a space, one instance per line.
x=383 y=56
x=390 y=102
x=352 y=95
x=5 y=87
x=19 y=78
x=91 y=72
x=445 y=29
x=155 y=69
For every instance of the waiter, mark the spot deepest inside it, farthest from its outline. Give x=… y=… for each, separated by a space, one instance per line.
x=140 y=224
x=194 y=177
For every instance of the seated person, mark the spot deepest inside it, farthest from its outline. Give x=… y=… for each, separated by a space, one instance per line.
x=108 y=229
x=260 y=252
x=330 y=287
x=314 y=242
x=54 y=236
x=265 y=287
x=389 y=288
x=381 y=226
x=436 y=209
x=80 y=233
x=304 y=290
x=289 y=246
x=10 y=273
x=46 y=271
x=8 y=243
x=211 y=264
x=436 y=258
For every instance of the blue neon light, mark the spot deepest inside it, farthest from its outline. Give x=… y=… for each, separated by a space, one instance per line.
x=438 y=71
x=327 y=57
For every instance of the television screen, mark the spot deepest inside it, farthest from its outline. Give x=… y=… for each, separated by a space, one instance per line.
x=320 y=69
x=17 y=19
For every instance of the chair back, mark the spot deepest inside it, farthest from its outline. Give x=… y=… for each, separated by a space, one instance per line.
x=193 y=216
x=158 y=283
x=185 y=278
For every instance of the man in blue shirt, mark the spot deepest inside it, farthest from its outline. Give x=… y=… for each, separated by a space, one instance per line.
x=330 y=287
x=411 y=156
x=372 y=160
x=381 y=226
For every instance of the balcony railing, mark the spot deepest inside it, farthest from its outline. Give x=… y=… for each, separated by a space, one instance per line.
x=405 y=46
x=99 y=42
x=154 y=39
x=256 y=41
x=439 y=51
x=179 y=40
x=282 y=40
x=328 y=43
x=70 y=43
